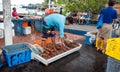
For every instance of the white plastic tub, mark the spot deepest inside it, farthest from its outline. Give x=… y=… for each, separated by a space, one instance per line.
x=27 y=30
x=48 y=61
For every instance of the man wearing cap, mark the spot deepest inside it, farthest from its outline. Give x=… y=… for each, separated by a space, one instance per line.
x=55 y=22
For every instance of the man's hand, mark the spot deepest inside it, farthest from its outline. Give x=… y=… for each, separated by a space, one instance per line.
x=62 y=41
x=62 y=44
x=48 y=31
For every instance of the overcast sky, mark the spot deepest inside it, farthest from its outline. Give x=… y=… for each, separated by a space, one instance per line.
x=25 y=2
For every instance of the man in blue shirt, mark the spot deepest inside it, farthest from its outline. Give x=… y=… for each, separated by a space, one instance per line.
x=109 y=16
x=55 y=22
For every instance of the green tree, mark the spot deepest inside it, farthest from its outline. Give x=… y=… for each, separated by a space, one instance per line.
x=48 y=1
x=94 y=6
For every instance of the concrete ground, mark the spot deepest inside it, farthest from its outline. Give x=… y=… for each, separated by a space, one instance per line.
x=87 y=59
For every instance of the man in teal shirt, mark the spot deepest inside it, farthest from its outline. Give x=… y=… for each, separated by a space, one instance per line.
x=55 y=22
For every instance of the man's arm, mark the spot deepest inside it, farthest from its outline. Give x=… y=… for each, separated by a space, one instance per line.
x=62 y=40
x=101 y=12
x=61 y=30
x=115 y=17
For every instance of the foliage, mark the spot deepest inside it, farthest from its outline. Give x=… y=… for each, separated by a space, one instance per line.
x=94 y=6
x=47 y=1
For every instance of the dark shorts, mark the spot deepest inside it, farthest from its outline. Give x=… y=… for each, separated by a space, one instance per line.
x=45 y=31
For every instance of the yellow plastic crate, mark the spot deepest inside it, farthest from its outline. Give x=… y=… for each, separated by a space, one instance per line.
x=113 y=48
x=101 y=45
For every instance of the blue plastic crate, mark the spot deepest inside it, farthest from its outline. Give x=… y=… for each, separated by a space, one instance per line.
x=87 y=40
x=38 y=25
x=18 y=26
x=16 y=54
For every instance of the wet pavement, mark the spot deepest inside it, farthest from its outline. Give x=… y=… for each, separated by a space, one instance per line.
x=87 y=59
x=37 y=36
